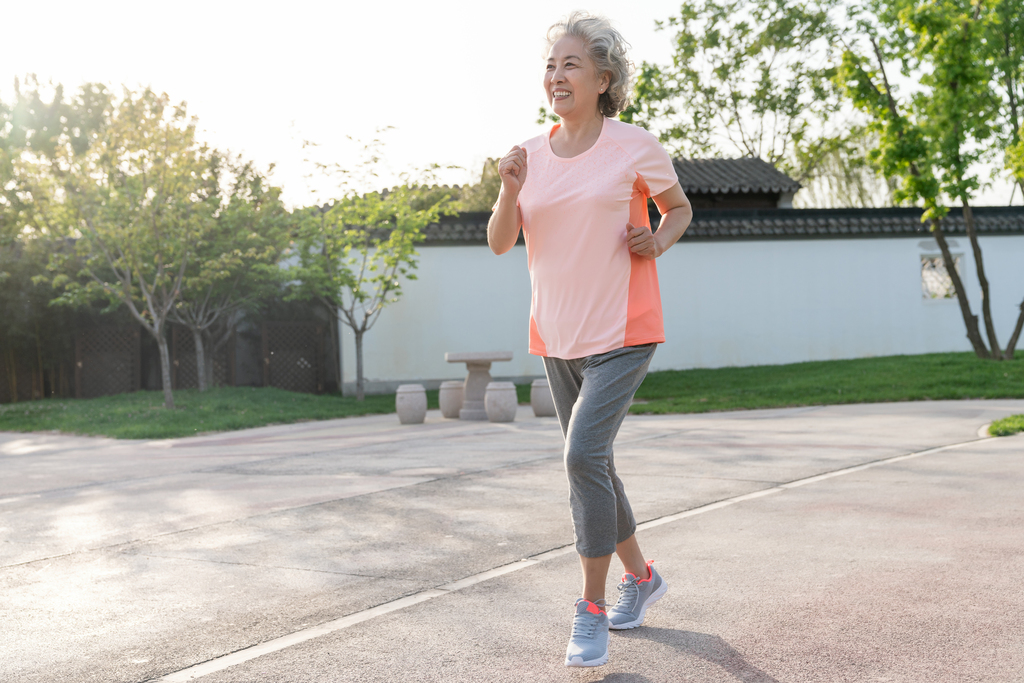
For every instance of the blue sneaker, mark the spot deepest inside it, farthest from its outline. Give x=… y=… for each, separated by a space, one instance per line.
x=635 y=596
x=588 y=644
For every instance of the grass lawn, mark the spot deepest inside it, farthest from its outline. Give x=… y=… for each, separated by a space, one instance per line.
x=867 y=380
x=1007 y=426
x=936 y=376
x=141 y=415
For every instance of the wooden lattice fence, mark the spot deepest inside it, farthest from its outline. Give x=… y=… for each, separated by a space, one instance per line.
x=293 y=356
x=183 y=361
x=108 y=360
x=17 y=380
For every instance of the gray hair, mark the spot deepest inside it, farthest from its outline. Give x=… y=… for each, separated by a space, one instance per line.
x=607 y=49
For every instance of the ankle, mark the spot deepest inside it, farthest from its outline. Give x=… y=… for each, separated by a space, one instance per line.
x=642 y=573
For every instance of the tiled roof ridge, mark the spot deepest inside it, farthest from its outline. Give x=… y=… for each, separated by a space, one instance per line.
x=731 y=175
x=471 y=228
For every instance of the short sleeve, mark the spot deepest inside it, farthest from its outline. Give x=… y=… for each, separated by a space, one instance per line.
x=653 y=164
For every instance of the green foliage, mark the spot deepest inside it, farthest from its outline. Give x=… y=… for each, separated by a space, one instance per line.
x=355 y=253
x=931 y=139
x=233 y=264
x=1005 y=34
x=39 y=130
x=136 y=201
x=141 y=197
x=482 y=195
x=1008 y=426
x=749 y=77
x=941 y=376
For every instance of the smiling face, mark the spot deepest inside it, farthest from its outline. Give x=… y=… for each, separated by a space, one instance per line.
x=571 y=81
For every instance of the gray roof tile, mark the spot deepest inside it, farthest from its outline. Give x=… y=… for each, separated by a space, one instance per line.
x=739 y=224
x=746 y=174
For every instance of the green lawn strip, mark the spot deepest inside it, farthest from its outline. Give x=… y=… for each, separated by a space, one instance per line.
x=938 y=376
x=141 y=415
x=869 y=380
x=1008 y=426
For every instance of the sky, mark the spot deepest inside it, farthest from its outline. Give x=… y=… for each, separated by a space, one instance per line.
x=459 y=81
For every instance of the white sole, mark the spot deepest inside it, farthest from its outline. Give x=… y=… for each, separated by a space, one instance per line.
x=655 y=596
x=579 y=661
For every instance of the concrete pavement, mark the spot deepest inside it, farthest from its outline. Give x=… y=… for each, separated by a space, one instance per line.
x=134 y=561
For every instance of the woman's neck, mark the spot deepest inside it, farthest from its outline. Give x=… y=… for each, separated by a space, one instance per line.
x=575 y=136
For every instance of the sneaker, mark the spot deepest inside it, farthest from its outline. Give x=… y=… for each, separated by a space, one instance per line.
x=635 y=596
x=588 y=644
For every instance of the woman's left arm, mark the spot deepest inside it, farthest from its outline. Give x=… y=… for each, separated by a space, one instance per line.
x=676 y=215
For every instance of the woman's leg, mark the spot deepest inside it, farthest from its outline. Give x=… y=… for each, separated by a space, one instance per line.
x=599 y=390
x=595 y=576
x=632 y=559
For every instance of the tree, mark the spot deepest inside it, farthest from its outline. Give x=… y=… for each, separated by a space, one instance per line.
x=933 y=139
x=141 y=197
x=1007 y=39
x=754 y=78
x=41 y=129
x=354 y=252
x=235 y=261
x=38 y=130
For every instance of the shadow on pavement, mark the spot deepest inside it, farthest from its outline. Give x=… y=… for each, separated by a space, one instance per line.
x=708 y=647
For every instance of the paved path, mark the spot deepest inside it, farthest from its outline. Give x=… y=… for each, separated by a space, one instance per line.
x=361 y=550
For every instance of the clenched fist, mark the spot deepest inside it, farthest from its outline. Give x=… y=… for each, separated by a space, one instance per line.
x=512 y=170
x=641 y=242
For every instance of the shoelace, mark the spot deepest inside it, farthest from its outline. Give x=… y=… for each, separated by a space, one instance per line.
x=628 y=592
x=584 y=625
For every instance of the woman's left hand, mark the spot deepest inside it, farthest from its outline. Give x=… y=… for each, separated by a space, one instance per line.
x=641 y=242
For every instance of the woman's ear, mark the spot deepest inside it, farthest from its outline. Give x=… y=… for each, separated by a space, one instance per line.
x=605 y=82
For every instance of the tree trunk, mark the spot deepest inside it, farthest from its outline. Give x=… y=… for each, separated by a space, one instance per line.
x=336 y=343
x=359 y=365
x=12 y=374
x=197 y=339
x=970 y=320
x=1012 y=344
x=39 y=364
x=208 y=370
x=986 y=301
x=165 y=371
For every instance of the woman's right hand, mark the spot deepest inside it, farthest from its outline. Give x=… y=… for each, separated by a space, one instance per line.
x=512 y=170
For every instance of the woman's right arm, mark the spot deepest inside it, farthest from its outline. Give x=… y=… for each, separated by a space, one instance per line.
x=503 y=228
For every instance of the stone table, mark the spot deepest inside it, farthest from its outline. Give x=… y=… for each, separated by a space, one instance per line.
x=478 y=363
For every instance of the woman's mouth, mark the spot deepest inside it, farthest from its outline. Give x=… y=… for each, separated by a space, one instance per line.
x=560 y=94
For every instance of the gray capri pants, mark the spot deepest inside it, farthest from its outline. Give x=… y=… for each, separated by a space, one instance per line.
x=592 y=396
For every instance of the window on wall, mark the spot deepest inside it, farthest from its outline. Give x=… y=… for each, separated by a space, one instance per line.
x=935 y=280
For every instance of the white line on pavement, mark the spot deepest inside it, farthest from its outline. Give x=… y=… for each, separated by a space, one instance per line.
x=277 y=644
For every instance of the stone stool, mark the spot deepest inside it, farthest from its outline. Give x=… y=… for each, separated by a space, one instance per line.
x=541 y=399
x=411 y=404
x=501 y=401
x=450 y=398
x=478 y=363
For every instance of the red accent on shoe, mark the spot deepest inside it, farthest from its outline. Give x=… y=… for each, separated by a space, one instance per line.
x=650 y=573
x=593 y=608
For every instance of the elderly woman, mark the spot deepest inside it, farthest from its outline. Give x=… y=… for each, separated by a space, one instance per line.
x=579 y=193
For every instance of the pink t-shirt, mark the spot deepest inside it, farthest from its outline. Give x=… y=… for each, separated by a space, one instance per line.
x=590 y=293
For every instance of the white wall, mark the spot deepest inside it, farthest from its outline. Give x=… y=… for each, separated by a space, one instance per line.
x=726 y=303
